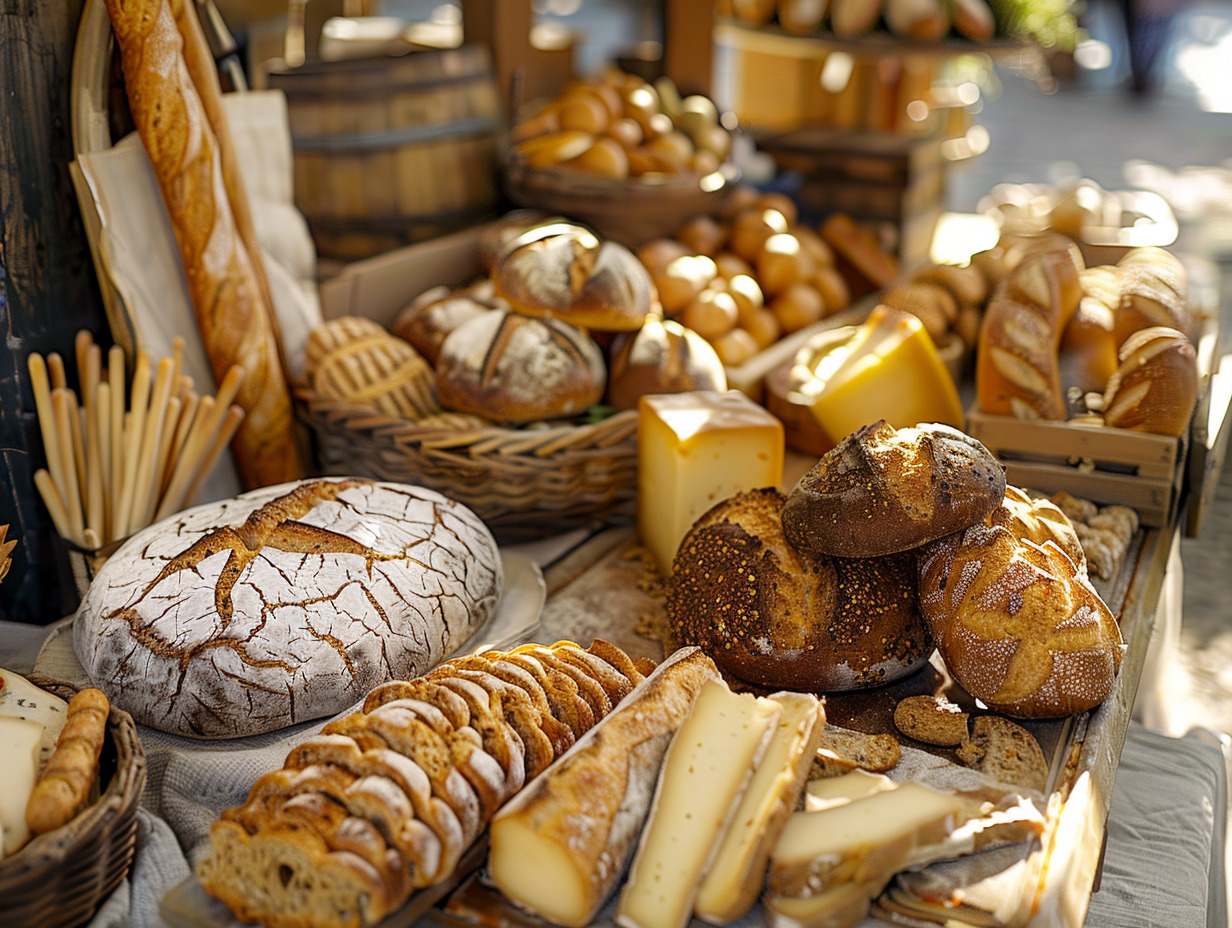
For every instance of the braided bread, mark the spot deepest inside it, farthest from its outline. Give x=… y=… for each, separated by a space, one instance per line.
x=1018 y=624
x=387 y=800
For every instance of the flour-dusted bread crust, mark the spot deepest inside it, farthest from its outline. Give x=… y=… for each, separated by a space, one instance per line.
x=285 y=604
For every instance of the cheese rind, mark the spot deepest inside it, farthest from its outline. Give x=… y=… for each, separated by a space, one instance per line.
x=841 y=906
x=831 y=792
x=737 y=874
x=559 y=846
x=890 y=370
x=693 y=451
x=707 y=768
x=862 y=841
x=21 y=699
x=19 y=766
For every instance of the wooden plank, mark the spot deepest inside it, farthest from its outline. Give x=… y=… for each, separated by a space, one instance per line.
x=1154 y=499
x=47 y=284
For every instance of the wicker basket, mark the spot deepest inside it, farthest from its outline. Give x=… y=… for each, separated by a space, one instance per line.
x=60 y=878
x=524 y=483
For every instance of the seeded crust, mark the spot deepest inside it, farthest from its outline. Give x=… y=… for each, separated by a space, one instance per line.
x=882 y=491
x=772 y=616
x=842 y=751
x=931 y=719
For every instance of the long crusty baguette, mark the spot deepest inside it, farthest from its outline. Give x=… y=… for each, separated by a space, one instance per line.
x=64 y=784
x=234 y=319
x=560 y=845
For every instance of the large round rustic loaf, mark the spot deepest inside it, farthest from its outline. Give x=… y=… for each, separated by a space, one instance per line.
x=884 y=491
x=776 y=617
x=285 y=604
x=1018 y=623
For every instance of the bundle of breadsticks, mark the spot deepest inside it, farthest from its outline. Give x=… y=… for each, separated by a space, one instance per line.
x=120 y=458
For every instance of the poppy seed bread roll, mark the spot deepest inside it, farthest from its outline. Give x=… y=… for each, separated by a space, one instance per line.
x=776 y=617
x=884 y=491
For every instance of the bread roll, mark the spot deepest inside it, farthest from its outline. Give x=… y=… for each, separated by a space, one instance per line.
x=1018 y=624
x=228 y=293
x=514 y=369
x=662 y=357
x=1155 y=387
x=1038 y=519
x=563 y=270
x=866 y=265
x=1017 y=370
x=882 y=491
x=426 y=325
x=1154 y=291
x=849 y=18
x=1087 y=354
x=922 y=20
x=284 y=604
x=790 y=619
x=497 y=235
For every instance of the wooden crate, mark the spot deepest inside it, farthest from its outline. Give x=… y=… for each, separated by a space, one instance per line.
x=1098 y=463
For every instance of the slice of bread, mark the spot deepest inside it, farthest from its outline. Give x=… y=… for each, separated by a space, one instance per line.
x=842 y=751
x=1007 y=752
x=931 y=719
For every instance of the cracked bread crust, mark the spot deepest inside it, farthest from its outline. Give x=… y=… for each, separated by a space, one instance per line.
x=285 y=604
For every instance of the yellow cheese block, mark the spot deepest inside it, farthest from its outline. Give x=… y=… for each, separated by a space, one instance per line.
x=841 y=906
x=704 y=775
x=735 y=878
x=889 y=369
x=863 y=841
x=829 y=792
x=693 y=451
x=19 y=767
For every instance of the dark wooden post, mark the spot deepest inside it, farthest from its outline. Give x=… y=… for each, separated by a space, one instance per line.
x=47 y=286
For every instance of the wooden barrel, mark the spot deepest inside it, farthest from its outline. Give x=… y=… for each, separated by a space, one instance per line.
x=390 y=151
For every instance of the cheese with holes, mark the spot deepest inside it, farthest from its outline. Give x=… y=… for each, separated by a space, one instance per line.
x=829 y=792
x=707 y=768
x=19 y=767
x=866 y=840
x=889 y=369
x=693 y=451
x=838 y=907
x=735 y=878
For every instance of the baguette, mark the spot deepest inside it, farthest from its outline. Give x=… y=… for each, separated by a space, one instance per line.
x=235 y=320
x=560 y=845
x=64 y=785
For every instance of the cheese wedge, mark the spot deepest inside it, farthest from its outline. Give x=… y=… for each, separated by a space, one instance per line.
x=21 y=699
x=559 y=846
x=830 y=792
x=19 y=766
x=890 y=370
x=737 y=874
x=707 y=768
x=695 y=450
x=863 y=841
x=841 y=906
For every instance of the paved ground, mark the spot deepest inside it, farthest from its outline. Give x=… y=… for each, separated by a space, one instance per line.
x=1168 y=142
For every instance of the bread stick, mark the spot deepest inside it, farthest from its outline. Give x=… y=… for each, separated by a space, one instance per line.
x=64 y=785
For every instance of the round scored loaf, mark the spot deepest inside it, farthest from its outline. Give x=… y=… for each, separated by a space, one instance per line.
x=511 y=368
x=1018 y=624
x=884 y=491
x=565 y=271
x=285 y=604
x=773 y=616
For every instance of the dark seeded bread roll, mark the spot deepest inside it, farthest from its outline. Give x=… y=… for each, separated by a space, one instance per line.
x=792 y=620
x=885 y=491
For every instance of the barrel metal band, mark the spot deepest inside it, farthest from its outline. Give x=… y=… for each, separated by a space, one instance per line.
x=392 y=138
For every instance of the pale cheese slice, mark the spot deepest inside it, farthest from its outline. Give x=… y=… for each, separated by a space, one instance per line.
x=19 y=766
x=737 y=874
x=707 y=768
x=829 y=792
x=21 y=699
x=863 y=841
x=840 y=906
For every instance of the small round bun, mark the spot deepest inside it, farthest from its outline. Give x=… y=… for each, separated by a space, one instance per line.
x=772 y=616
x=884 y=491
x=662 y=357
x=513 y=369
x=1018 y=624
x=565 y=271
x=426 y=326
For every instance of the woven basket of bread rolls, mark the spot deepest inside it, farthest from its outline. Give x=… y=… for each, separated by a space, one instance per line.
x=61 y=877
